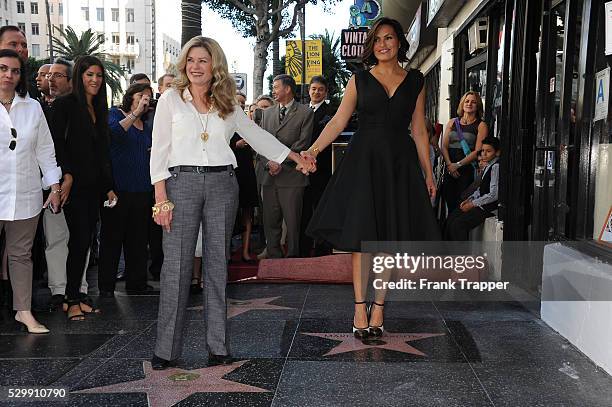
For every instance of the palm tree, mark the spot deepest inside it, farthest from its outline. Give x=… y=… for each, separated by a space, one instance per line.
x=334 y=69
x=70 y=46
x=191 y=19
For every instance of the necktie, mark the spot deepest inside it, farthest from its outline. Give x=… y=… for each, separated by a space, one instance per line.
x=313 y=107
x=283 y=111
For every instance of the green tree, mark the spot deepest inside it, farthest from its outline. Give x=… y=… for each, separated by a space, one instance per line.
x=70 y=46
x=267 y=21
x=334 y=68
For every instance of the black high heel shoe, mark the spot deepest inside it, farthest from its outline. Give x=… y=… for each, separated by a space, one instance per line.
x=360 y=333
x=375 y=331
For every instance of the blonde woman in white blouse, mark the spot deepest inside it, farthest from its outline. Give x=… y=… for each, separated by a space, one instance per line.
x=25 y=146
x=192 y=169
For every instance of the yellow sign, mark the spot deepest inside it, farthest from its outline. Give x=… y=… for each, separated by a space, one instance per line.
x=314 y=59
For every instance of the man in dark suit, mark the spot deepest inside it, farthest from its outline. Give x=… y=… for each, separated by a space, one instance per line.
x=318 y=180
x=283 y=187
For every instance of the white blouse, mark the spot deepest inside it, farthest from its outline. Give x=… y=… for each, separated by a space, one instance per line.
x=177 y=140
x=21 y=186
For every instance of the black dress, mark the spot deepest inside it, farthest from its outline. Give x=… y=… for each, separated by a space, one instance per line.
x=245 y=174
x=378 y=193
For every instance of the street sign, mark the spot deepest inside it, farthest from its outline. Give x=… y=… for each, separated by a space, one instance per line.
x=241 y=82
x=314 y=59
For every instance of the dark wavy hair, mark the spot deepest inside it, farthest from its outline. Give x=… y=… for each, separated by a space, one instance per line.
x=128 y=98
x=368 y=57
x=99 y=101
x=22 y=85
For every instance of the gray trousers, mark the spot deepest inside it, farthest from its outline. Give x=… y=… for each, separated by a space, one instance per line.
x=282 y=203
x=210 y=198
x=56 y=252
x=19 y=240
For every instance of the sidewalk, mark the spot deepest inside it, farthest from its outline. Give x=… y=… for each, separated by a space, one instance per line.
x=294 y=347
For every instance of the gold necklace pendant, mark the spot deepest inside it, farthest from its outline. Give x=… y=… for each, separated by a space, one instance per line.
x=204 y=136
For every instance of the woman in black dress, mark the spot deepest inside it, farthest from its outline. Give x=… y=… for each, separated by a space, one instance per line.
x=378 y=193
x=247 y=183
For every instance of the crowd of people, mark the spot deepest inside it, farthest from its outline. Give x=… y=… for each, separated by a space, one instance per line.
x=165 y=177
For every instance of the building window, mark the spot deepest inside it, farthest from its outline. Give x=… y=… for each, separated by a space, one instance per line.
x=61 y=27
x=101 y=37
x=85 y=11
x=34 y=7
x=115 y=14
x=20 y=7
x=115 y=38
x=115 y=60
x=100 y=14
x=130 y=38
x=21 y=27
x=131 y=63
x=60 y=8
x=35 y=29
x=129 y=15
x=35 y=50
x=6 y=4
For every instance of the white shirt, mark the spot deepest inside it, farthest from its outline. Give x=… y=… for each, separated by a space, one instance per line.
x=315 y=107
x=21 y=186
x=177 y=138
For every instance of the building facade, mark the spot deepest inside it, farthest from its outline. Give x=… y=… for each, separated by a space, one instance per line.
x=139 y=35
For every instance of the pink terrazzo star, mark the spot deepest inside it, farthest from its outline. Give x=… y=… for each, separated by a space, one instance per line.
x=389 y=341
x=165 y=388
x=237 y=307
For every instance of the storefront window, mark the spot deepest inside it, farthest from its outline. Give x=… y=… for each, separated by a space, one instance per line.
x=476 y=76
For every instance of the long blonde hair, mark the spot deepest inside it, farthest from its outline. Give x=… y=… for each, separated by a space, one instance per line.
x=479 y=105
x=222 y=91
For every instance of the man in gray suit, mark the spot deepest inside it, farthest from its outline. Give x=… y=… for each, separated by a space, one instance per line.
x=283 y=187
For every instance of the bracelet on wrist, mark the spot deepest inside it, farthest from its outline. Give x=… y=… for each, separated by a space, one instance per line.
x=314 y=150
x=165 y=206
x=56 y=191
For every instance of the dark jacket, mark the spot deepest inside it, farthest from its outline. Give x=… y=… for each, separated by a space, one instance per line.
x=319 y=178
x=82 y=147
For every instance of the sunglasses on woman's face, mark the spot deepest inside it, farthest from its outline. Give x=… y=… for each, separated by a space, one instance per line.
x=13 y=142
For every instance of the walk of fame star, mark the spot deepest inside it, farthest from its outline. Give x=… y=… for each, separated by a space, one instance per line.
x=237 y=307
x=165 y=388
x=389 y=341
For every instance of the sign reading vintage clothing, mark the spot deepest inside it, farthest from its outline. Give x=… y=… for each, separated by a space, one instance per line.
x=363 y=13
x=314 y=59
x=351 y=43
x=602 y=92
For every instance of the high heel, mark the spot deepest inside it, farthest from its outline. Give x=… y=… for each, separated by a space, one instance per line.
x=376 y=331
x=35 y=329
x=360 y=333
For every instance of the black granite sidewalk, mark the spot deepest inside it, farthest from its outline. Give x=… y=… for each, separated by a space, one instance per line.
x=294 y=347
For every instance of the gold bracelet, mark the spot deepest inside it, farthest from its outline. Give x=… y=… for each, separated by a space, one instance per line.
x=165 y=206
x=314 y=150
x=57 y=191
